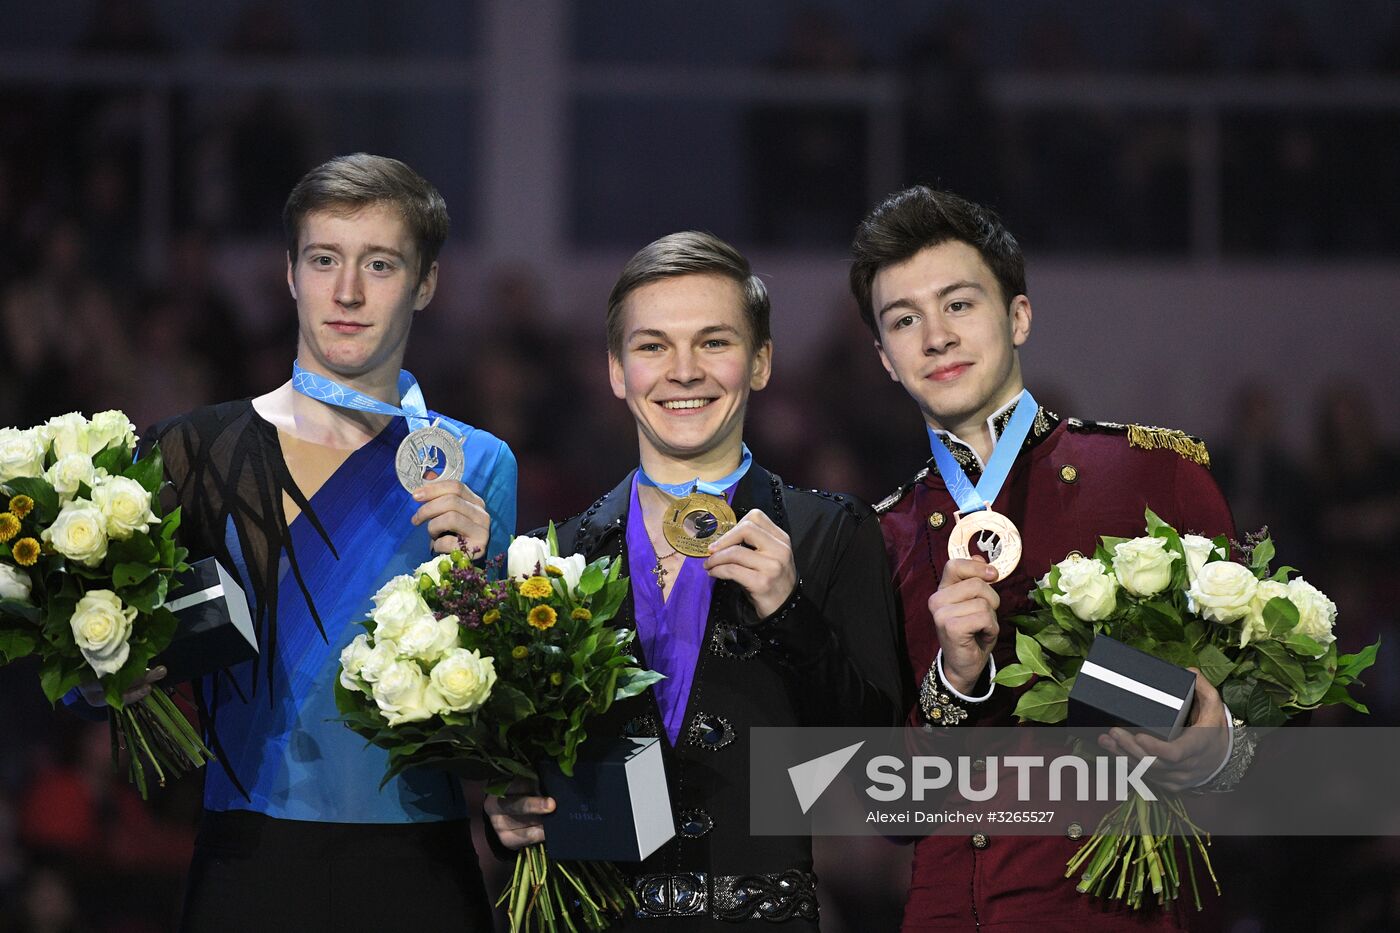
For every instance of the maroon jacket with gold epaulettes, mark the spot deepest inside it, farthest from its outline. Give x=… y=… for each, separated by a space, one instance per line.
x=1072 y=482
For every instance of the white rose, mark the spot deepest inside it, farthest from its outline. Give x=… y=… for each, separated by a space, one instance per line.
x=1198 y=551
x=110 y=429
x=67 y=472
x=433 y=568
x=68 y=434
x=1223 y=591
x=399 y=608
x=1087 y=588
x=571 y=567
x=14 y=583
x=125 y=504
x=524 y=556
x=1253 y=627
x=21 y=454
x=352 y=659
x=79 y=533
x=427 y=639
x=399 y=693
x=403 y=583
x=1316 y=613
x=462 y=681
x=1143 y=565
x=101 y=627
x=381 y=657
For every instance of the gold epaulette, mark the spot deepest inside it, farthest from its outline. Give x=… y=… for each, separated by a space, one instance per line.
x=1150 y=438
x=890 y=501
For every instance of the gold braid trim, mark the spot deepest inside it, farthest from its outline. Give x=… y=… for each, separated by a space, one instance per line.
x=1167 y=439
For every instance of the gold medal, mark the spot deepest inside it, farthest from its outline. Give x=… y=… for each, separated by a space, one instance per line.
x=692 y=524
x=989 y=535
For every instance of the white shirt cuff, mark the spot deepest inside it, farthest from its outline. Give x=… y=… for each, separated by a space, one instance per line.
x=1229 y=749
x=938 y=664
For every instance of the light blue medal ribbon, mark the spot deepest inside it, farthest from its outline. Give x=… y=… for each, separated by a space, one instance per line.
x=973 y=499
x=411 y=406
x=713 y=488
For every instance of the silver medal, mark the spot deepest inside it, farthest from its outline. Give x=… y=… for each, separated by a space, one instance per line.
x=431 y=448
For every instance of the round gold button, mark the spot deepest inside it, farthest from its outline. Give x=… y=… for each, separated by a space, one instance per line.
x=1075 y=831
x=937 y=520
x=979 y=840
x=1069 y=474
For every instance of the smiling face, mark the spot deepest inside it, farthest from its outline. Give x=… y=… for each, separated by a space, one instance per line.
x=355 y=281
x=686 y=368
x=946 y=335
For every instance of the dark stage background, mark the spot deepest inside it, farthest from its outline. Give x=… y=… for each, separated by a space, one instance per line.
x=1207 y=194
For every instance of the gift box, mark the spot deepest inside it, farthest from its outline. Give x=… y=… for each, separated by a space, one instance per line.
x=1122 y=686
x=215 y=626
x=615 y=808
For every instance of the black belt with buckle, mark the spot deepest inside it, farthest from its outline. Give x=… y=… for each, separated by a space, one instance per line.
x=778 y=896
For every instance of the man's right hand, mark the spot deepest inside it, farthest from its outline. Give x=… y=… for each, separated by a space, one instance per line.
x=95 y=696
x=964 y=614
x=516 y=816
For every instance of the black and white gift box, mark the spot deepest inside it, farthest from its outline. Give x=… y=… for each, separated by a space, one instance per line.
x=615 y=808
x=215 y=627
x=1122 y=686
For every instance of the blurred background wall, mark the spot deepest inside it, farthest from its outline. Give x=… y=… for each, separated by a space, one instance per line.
x=1207 y=193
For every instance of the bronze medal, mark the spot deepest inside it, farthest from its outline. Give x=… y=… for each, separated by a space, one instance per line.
x=989 y=535
x=695 y=522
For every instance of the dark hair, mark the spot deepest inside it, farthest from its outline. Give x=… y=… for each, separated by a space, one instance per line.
x=347 y=183
x=919 y=217
x=690 y=253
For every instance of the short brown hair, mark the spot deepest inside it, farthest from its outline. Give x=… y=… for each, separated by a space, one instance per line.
x=920 y=217
x=691 y=252
x=347 y=183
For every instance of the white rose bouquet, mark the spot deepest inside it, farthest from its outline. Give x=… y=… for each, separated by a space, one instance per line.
x=86 y=564
x=491 y=677
x=1263 y=640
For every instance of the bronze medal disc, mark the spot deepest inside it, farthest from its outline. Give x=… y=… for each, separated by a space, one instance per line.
x=431 y=448
x=989 y=535
x=695 y=522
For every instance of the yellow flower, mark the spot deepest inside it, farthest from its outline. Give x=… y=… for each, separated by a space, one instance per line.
x=520 y=652
x=492 y=615
x=9 y=526
x=536 y=588
x=581 y=615
x=542 y=617
x=26 y=552
x=554 y=571
x=21 y=506
x=556 y=678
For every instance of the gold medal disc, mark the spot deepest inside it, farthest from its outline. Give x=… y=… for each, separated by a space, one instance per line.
x=989 y=535
x=695 y=522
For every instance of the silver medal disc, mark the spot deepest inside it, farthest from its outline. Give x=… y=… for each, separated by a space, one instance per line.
x=431 y=448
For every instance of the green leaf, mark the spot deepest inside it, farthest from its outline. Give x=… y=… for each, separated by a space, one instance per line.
x=127 y=574
x=1155 y=524
x=1263 y=553
x=112 y=459
x=592 y=580
x=1338 y=694
x=138 y=549
x=1261 y=710
x=551 y=538
x=1046 y=702
x=1304 y=645
x=1013 y=675
x=1176 y=652
x=1276 y=660
x=1281 y=575
x=20 y=609
x=1162 y=621
x=1280 y=617
x=631 y=684
x=1351 y=665
x=58 y=675
x=149 y=471
x=1214 y=664
x=1028 y=653
x=1057 y=641
x=16 y=644
x=45 y=498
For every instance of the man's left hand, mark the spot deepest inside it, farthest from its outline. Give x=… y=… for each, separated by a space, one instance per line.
x=757 y=555
x=1193 y=755
x=456 y=517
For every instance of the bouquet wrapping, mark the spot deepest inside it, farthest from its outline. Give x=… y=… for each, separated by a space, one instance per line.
x=1263 y=638
x=87 y=563
x=493 y=677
